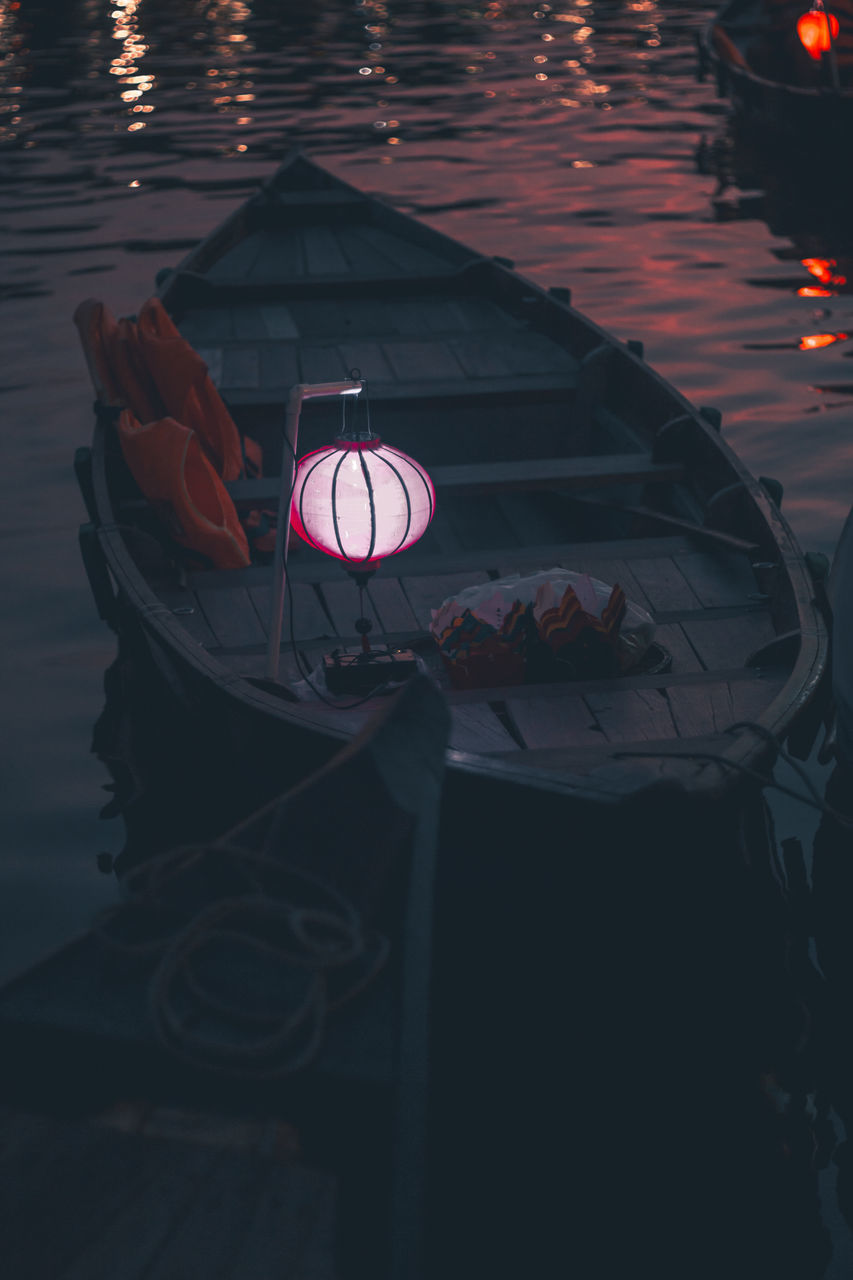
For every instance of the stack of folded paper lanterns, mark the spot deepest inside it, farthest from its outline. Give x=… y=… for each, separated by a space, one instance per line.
x=545 y=627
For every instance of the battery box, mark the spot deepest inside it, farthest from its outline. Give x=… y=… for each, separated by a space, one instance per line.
x=354 y=671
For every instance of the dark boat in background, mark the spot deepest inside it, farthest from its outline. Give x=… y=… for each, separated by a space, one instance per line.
x=760 y=64
x=760 y=176
x=564 y=1028
x=279 y=975
x=550 y=443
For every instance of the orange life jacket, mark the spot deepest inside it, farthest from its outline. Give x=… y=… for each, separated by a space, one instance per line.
x=96 y=325
x=117 y=365
x=186 y=388
x=178 y=479
x=133 y=374
x=149 y=368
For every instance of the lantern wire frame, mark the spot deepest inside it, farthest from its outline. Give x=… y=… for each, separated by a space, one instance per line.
x=362 y=469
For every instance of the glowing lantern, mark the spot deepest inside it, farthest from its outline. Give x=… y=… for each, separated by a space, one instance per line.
x=812 y=341
x=822 y=269
x=817 y=29
x=361 y=500
x=358 y=500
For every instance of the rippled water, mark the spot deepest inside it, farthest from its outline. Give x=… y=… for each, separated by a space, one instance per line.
x=564 y=137
x=573 y=138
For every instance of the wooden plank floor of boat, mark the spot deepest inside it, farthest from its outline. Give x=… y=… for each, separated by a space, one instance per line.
x=162 y=1194
x=704 y=603
x=439 y=345
x=314 y=296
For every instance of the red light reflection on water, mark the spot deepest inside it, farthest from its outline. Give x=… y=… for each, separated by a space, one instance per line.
x=815 y=340
x=822 y=269
x=809 y=291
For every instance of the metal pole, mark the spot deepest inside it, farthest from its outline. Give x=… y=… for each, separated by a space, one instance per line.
x=831 y=59
x=302 y=391
x=282 y=531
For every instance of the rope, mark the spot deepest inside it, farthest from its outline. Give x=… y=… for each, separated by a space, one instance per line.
x=270 y=928
x=813 y=800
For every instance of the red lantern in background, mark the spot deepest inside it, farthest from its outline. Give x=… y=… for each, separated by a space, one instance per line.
x=817 y=29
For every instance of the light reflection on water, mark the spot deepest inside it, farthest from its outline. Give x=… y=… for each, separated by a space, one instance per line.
x=563 y=136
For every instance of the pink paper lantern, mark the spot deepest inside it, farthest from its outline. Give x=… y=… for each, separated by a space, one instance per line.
x=361 y=500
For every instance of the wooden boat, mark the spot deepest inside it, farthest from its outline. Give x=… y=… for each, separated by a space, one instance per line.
x=759 y=63
x=550 y=443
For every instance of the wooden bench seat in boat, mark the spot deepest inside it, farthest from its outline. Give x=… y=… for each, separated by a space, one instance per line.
x=533 y=473
x=324 y=367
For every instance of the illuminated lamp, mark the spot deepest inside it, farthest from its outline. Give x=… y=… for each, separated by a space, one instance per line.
x=822 y=269
x=812 y=341
x=817 y=29
x=360 y=501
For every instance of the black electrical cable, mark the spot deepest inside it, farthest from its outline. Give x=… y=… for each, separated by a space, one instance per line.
x=813 y=800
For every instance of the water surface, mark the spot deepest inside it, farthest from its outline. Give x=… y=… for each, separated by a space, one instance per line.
x=573 y=138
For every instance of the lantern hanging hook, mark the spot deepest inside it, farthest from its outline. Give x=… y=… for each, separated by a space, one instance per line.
x=349 y=428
